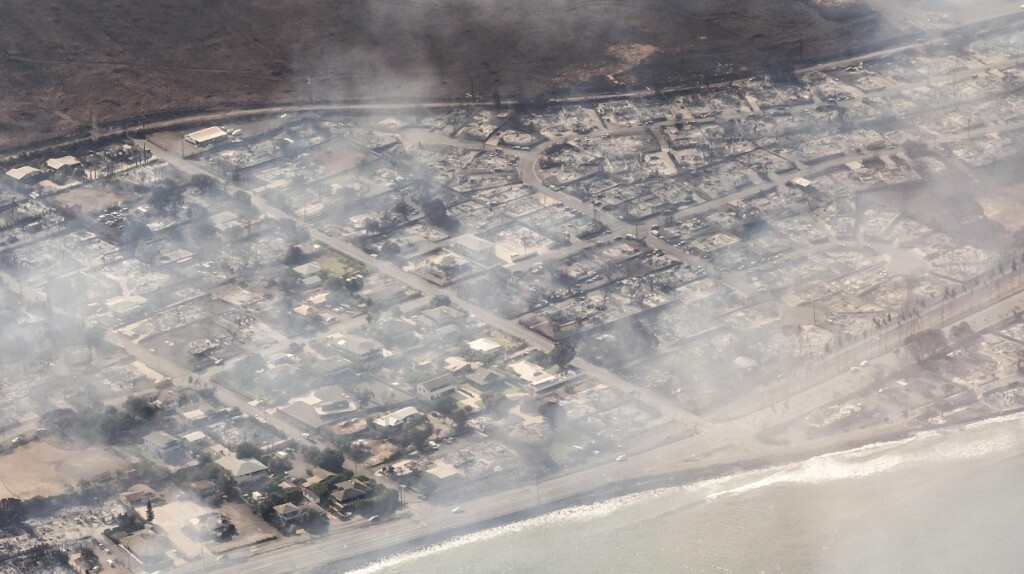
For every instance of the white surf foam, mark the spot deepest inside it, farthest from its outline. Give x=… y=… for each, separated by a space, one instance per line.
x=949 y=444
x=572 y=514
x=867 y=460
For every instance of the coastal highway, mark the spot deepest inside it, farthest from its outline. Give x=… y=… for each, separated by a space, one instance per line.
x=989 y=302
x=359 y=538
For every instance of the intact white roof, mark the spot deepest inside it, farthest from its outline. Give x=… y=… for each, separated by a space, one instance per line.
x=307 y=269
x=22 y=172
x=396 y=418
x=195 y=436
x=240 y=467
x=194 y=415
x=59 y=162
x=530 y=372
x=160 y=439
x=206 y=134
x=438 y=383
x=484 y=345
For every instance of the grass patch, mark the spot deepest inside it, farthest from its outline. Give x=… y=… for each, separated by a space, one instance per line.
x=339 y=265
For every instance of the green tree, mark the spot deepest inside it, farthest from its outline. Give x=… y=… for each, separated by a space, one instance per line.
x=114 y=424
x=961 y=332
x=496 y=401
x=289 y=281
x=134 y=232
x=307 y=515
x=363 y=396
x=65 y=422
x=415 y=431
x=353 y=283
x=167 y=198
x=140 y=408
x=89 y=555
x=562 y=354
x=248 y=450
x=403 y=209
x=381 y=500
x=446 y=405
x=203 y=182
x=331 y=459
x=460 y=417
x=149 y=511
x=276 y=465
x=321 y=490
x=436 y=213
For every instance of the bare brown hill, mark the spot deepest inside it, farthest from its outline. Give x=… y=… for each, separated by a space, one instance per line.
x=66 y=64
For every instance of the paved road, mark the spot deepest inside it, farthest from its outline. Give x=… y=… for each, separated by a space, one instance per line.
x=359 y=537
x=429 y=289
x=804 y=395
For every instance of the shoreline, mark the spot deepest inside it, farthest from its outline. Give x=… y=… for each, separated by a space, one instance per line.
x=625 y=487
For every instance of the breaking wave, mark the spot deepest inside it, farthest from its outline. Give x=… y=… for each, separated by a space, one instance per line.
x=929 y=446
x=881 y=457
x=571 y=514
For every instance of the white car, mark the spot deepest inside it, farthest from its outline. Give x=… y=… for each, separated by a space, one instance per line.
x=457 y=510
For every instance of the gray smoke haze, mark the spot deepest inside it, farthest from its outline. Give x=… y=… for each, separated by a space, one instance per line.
x=724 y=308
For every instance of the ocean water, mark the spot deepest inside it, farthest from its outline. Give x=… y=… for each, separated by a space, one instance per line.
x=942 y=501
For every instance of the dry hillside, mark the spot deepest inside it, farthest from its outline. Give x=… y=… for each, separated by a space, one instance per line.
x=67 y=63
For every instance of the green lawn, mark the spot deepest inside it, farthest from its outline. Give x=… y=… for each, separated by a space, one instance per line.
x=338 y=265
